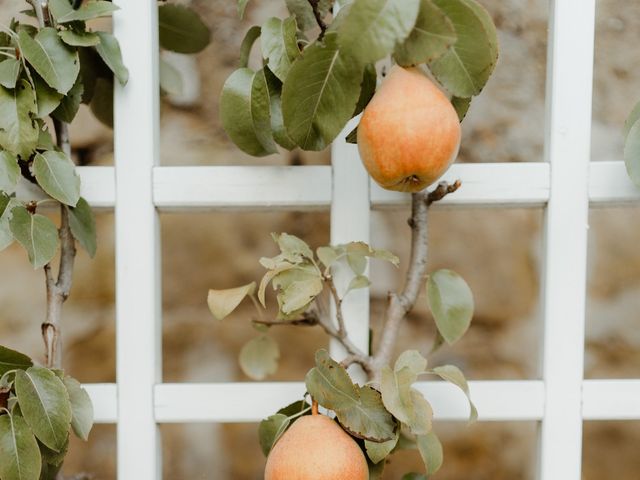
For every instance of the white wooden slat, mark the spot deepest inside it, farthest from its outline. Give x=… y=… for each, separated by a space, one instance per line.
x=350 y=221
x=104 y=397
x=567 y=142
x=611 y=400
x=138 y=306
x=236 y=402
x=610 y=185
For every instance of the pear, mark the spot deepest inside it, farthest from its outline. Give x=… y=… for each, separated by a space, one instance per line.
x=409 y=133
x=316 y=448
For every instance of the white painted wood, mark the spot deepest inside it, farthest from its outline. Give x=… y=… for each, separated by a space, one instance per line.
x=138 y=306
x=611 y=400
x=568 y=138
x=104 y=397
x=609 y=185
x=236 y=402
x=350 y=221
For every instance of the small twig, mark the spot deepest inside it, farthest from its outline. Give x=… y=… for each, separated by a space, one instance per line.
x=401 y=304
x=315 y=6
x=342 y=330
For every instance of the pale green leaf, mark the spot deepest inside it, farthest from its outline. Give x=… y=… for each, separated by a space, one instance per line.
x=372 y=28
x=298 y=294
x=303 y=12
x=430 y=450
x=55 y=62
x=320 y=94
x=466 y=67
x=633 y=117
x=242 y=5
x=632 y=153
x=277 y=269
x=57 y=176
x=405 y=403
x=413 y=360
x=44 y=402
x=12 y=360
x=378 y=451
x=245 y=112
x=278 y=129
x=19 y=454
x=83 y=226
x=328 y=255
x=223 y=302
x=9 y=72
x=9 y=172
x=280 y=45
x=357 y=282
x=292 y=245
x=18 y=129
x=79 y=39
x=451 y=303
x=454 y=375
x=47 y=98
x=359 y=409
x=81 y=408
x=7 y=205
x=247 y=44
x=170 y=78
x=181 y=29
x=259 y=357
x=109 y=51
x=63 y=13
x=270 y=430
x=36 y=233
x=430 y=38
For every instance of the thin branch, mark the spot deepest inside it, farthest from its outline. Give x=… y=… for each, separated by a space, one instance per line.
x=401 y=304
x=342 y=330
x=315 y=6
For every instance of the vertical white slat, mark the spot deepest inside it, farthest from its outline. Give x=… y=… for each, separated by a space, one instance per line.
x=568 y=135
x=350 y=219
x=138 y=306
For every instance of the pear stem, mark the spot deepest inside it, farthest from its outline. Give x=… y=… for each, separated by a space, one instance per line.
x=314 y=407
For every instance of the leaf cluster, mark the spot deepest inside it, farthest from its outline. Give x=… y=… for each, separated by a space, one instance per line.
x=306 y=90
x=39 y=407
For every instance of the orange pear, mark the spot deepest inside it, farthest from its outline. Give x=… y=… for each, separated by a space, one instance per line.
x=409 y=133
x=316 y=448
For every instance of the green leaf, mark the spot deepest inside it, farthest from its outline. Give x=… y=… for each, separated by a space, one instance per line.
x=109 y=51
x=7 y=204
x=64 y=13
x=432 y=35
x=451 y=302
x=18 y=130
x=81 y=408
x=296 y=409
x=83 y=226
x=79 y=39
x=52 y=460
x=298 y=287
x=242 y=5
x=182 y=29
x=404 y=402
x=223 y=302
x=102 y=101
x=247 y=44
x=632 y=153
x=45 y=142
x=57 y=176
x=70 y=103
x=320 y=94
x=413 y=360
x=36 y=233
x=633 y=117
x=47 y=98
x=269 y=276
x=12 y=360
x=328 y=255
x=357 y=282
x=378 y=451
x=270 y=430
x=376 y=470
x=245 y=112
x=359 y=409
x=280 y=45
x=170 y=78
x=430 y=450
x=9 y=172
x=303 y=12
x=292 y=246
x=352 y=137
x=54 y=61
x=454 y=375
x=19 y=454
x=9 y=72
x=372 y=28
x=367 y=88
x=466 y=67
x=44 y=402
x=461 y=105
x=414 y=476
x=259 y=357
x=278 y=129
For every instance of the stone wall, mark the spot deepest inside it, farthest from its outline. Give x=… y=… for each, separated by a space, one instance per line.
x=497 y=250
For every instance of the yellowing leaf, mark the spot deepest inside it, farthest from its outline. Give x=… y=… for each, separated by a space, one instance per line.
x=451 y=302
x=223 y=302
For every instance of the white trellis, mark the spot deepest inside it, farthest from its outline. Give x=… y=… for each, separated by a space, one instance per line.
x=565 y=185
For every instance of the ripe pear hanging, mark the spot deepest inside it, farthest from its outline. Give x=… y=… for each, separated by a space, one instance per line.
x=409 y=133
x=316 y=448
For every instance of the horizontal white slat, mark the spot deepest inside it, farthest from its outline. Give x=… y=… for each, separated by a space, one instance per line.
x=610 y=184
x=611 y=400
x=104 y=398
x=496 y=400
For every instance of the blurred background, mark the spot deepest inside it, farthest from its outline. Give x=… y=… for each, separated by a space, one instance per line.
x=498 y=251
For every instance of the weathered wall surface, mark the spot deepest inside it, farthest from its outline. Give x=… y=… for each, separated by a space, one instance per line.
x=497 y=250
